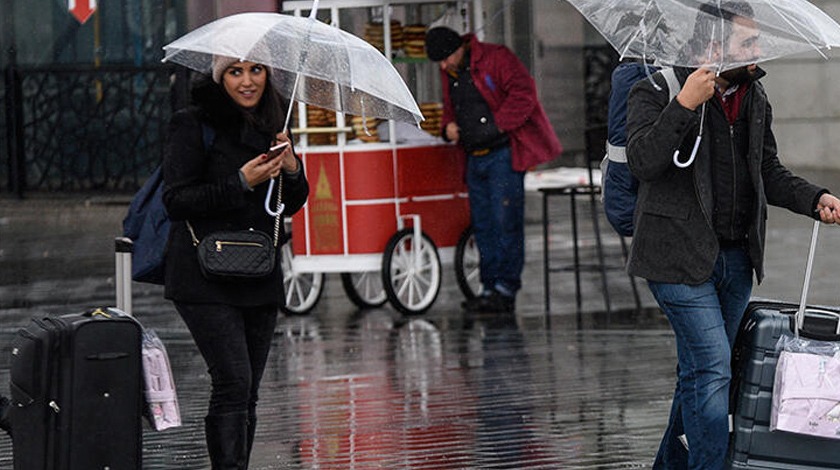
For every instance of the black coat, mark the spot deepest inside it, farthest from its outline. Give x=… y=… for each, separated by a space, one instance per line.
x=674 y=240
x=202 y=185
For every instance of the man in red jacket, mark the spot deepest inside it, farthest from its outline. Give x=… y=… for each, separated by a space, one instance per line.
x=491 y=110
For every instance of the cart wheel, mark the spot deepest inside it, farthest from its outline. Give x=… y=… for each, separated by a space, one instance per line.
x=303 y=290
x=364 y=289
x=467 y=271
x=411 y=272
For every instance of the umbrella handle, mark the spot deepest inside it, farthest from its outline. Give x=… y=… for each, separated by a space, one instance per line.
x=688 y=163
x=690 y=160
x=267 y=205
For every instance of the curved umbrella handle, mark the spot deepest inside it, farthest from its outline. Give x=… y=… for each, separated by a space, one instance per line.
x=690 y=160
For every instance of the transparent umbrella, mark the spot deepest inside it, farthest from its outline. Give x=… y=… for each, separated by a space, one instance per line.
x=310 y=62
x=696 y=33
x=693 y=33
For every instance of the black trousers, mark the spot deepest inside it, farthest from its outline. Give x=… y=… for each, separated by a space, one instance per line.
x=235 y=342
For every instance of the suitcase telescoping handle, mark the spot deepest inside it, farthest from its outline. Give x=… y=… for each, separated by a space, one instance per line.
x=123 y=247
x=800 y=313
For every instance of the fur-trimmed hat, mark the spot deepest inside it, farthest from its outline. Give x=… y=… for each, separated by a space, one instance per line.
x=220 y=64
x=441 y=42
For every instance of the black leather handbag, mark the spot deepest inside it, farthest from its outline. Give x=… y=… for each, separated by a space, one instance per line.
x=238 y=254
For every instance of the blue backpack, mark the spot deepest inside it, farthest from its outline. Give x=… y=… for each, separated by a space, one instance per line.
x=619 y=186
x=147 y=224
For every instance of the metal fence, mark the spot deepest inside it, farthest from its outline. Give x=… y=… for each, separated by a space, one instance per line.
x=101 y=129
x=71 y=129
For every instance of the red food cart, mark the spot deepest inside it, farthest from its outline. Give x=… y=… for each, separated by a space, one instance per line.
x=384 y=214
x=386 y=217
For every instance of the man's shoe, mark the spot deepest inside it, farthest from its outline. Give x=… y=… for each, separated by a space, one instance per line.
x=470 y=304
x=494 y=303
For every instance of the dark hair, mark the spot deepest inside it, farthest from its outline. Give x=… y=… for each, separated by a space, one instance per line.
x=708 y=21
x=219 y=109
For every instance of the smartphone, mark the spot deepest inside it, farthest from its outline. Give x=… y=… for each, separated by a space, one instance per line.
x=275 y=151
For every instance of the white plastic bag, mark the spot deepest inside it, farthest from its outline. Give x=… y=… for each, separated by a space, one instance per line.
x=806 y=390
x=161 y=398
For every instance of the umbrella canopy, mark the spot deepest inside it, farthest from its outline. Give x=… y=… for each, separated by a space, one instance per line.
x=334 y=69
x=692 y=33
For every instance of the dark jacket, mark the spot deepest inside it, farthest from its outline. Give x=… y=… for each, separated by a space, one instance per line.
x=674 y=239
x=203 y=186
x=511 y=93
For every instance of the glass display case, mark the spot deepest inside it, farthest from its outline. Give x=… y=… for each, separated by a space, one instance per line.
x=397 y=28
x=384 y=211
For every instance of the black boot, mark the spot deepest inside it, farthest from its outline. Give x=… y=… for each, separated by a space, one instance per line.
x=227 y=440
x=5 y=423
x=252 y=430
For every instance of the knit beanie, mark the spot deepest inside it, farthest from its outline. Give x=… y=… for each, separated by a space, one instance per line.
x=441 y=42
x=220 y=64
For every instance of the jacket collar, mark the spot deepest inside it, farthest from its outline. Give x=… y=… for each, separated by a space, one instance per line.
x=475 y=50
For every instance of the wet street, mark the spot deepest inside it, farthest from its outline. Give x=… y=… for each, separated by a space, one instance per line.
x=357 y=389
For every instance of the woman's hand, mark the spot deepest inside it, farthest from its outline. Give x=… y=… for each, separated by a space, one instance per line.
x=264 y=167
x=289 y=162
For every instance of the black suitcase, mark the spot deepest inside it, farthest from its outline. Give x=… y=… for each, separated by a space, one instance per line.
x=754 y=358
x=77 y=393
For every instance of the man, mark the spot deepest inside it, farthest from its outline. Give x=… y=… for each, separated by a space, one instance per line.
x=490 y=109
x=700 y=231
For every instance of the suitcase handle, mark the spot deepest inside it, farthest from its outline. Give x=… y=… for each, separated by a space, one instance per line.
x=800 y=314
x=820 y=313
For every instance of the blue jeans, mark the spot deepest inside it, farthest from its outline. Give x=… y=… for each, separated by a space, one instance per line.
x=705 y=319
x=497 y=214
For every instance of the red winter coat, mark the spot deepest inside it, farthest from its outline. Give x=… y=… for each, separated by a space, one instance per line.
x=511 y=93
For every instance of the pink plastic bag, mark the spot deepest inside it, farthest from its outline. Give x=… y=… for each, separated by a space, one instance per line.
x=806 y=393
x=161 y=398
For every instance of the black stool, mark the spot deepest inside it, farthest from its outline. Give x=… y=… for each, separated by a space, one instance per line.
x=593 y=190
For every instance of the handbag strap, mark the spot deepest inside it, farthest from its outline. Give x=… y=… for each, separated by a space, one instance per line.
x=196 y=241
x=278 y=208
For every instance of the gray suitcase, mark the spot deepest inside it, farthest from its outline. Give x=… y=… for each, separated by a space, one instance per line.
x=753 y=445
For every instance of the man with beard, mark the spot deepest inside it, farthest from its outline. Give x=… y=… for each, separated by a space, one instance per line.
x=700 y=230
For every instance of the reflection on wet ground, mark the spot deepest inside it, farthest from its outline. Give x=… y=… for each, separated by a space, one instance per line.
x=376 y=389
x=447 y=390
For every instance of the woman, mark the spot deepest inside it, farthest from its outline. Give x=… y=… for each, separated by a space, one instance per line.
x=216 y=174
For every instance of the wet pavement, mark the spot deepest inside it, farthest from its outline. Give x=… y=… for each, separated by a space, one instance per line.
x=378 y=389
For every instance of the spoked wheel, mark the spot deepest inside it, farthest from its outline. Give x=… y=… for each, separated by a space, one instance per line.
x=364 y=289
x=467 y=270
x=411 y=272
x=303 y=290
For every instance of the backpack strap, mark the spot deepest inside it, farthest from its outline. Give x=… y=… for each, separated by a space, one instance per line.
x=616 y=153
x=674 y=86
x=208 y=135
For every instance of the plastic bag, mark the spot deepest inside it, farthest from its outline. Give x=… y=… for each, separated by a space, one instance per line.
x=806 y=390
x=161 y=398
